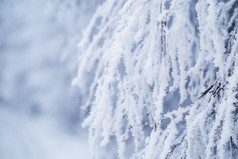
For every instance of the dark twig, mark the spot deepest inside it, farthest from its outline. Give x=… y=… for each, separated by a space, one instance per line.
x=206 y=91
x=174 y=147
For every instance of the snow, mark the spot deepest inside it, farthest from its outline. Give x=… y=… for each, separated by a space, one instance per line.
x=155 y=79
x=153 y=62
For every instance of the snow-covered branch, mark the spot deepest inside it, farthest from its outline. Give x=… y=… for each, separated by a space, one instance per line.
x=161 y=78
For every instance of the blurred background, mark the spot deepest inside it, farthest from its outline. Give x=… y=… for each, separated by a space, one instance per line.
x=40 y=112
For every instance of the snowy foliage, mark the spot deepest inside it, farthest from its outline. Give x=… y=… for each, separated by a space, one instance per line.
x=160 y=79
